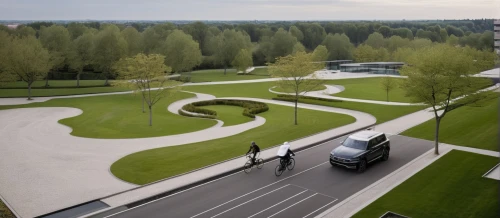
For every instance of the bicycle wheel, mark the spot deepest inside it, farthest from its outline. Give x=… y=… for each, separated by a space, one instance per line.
x=248 y=166
x=291 y=164
x=278 y=171
x=260 y=163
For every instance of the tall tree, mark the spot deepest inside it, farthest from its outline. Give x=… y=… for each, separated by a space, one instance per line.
x=395 y=42
x=28 y=60
x=452 y=40
x=56 y=40
x=339 y=47
x=376 y=40
x=314 y=34
x=210 y=45
x=298 y=47
x=283 y=43
x=293 y=71
x=76 y=29
x=296 y=33
x=147 y=71
x=366 y=53
x=198 y=31
x=437 y=74
x=229 y=43
x=181 y=52
x=385 y=31
x=109 y=47
x=134 y=41
x=243 y=60
x=320 y=53
x=5 y=38
x=80 y=54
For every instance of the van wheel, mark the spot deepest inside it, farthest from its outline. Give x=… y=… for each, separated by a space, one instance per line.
x=362 y=166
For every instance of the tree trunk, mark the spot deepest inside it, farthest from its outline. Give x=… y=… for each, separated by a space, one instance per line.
x=106 y=82
x=143 y=103
x=387 y=96
x=29 y=91
x=436 y=137
x=225 y=69
x=47 y=80
x=296 y=102
x=78 y=79
x=150 y=116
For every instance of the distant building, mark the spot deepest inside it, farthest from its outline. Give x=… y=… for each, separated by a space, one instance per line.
x=496 y=28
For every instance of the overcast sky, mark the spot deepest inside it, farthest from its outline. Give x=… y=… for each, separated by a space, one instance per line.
x=247 y=9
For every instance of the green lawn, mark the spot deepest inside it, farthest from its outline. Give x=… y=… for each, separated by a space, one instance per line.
x=5 y=212
x=152 y=165
x=54 y=83
x=469 y=126
x=369 y=89
x=452 y=186
x=120 y=116
x=260 y=90
x=288 y=90
x=58 y=92
x=230 y=115
x=218 y=75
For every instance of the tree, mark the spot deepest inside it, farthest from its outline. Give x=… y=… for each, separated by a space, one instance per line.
x=298 y=47
x=22 y=31
x=181 y=52
x=81 y=54
x=76 y=29
x=229 y=43
x=452 y=40
x=243 y=60
x=296 y=33
x=314 y=34
x=320 y=53
x=388 y=84
x=375 y=40
x=134 y=41
x=283 y=43
x=5 y=76
x=437 y=74
x=395 y=42
x=28 y=60
x=109 y=47
x=385 y=31
x=198 y=31
x=293 y=71
x=56 y=40
x=402 y=54
x=366 y=53
x=147 y=71
x=339 y=47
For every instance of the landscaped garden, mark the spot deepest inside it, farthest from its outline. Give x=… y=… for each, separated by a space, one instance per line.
x=370 y=89
x=151 y=165
x=231 y=75
x=452 y=186
x=472 y=126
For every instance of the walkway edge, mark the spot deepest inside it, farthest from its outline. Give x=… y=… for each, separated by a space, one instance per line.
x=8 y=206
x=115 y=209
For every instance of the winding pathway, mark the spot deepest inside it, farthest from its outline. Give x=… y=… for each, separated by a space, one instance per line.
x=47 y=169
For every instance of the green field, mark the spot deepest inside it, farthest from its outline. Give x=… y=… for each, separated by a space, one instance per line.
x=218 y=75
x=288 y=90
x=452 y=186
x=5 y=212
x=369 y=89
x=469 y=126
x=260 y=90
x=230 y=115
x=152 y=165
x=120 y=116
x=54 y=83
x=59 y=92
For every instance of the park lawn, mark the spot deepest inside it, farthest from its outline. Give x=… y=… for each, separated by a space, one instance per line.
x=54 y=83
x=120 y=116
x=230 y=115
x=218 y=75
x=4 y=93
x=5 y=211
x=452 y=186
x=383 y=113
x=470 y=126
x=369 y=89
x=288 y=90
x=155 y=164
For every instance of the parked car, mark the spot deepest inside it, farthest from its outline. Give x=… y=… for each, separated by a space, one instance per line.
x=361 y=148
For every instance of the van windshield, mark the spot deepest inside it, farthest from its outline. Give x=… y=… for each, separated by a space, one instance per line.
x=356 y=144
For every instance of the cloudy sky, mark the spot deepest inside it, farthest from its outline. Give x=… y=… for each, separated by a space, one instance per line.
x=247 y=9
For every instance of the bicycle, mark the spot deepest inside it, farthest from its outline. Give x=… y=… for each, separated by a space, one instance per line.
x=281 y=166
x=259 y=162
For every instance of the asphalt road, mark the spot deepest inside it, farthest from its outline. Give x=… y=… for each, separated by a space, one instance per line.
x=310 y=188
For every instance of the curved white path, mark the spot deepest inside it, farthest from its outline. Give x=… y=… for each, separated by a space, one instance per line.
x=47 y=169
x=333 y=89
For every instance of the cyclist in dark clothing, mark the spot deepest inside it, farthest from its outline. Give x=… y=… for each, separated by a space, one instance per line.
x=254 y=148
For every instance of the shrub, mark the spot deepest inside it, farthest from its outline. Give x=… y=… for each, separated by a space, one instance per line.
x=250 y=107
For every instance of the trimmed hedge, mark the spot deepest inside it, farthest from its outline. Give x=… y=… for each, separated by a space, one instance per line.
x=291 y=98
x=250 y=107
